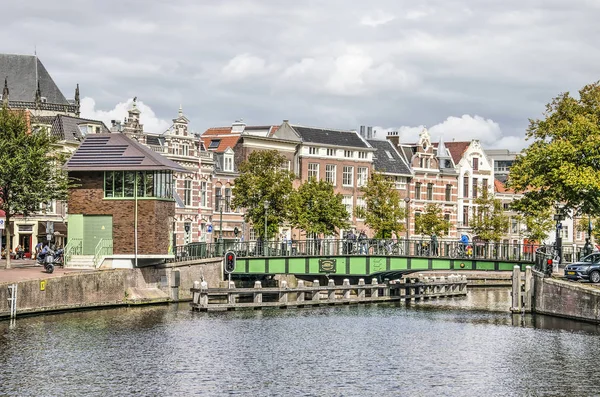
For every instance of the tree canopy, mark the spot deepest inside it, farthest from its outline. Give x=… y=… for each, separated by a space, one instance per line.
x=263 y=178
x=562 y=164
x=432 y=221
x=489 y=221
x=538 y=223
x=384 y=212
x=31 y=171
x=317 y=209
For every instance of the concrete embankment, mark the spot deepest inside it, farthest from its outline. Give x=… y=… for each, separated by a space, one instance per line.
x=556 y=297
x=167 y=283
x=476 y=278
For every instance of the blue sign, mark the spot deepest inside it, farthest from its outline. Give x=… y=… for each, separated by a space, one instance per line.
x=209 y=229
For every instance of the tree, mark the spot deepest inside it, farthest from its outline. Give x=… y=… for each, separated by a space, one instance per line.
x=489 y=222
x=316 y=209
x=538 y=224
x=31 y=171
x=432 y=221
x=263 y=179
x=562 y=165
x=384 y=211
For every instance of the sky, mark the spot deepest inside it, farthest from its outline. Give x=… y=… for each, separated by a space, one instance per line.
x=465 y=69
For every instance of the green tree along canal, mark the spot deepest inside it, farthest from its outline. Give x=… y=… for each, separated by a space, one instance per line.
x=435 y=348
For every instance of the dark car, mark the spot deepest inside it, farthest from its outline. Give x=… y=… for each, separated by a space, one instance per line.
x=586 y=269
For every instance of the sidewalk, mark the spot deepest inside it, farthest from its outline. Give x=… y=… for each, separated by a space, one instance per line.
x=26 y=269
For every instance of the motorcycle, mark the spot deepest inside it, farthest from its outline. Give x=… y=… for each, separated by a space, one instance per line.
x=47 y=260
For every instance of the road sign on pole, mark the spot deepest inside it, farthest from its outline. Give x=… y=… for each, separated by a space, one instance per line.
x=209 y=229
x=2 y=221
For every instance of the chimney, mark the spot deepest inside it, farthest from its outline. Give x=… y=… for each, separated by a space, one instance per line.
x=394 y=137
x=369 y=132
x=286 y=121
x=362 y=131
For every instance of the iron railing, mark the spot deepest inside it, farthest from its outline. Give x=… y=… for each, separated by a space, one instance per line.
x=330 y=247
x=103 y=248
x=74 y=247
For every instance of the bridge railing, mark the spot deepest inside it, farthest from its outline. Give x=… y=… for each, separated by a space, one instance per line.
x=339 y=247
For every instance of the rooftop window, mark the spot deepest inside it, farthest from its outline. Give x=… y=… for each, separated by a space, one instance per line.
x=214 y=144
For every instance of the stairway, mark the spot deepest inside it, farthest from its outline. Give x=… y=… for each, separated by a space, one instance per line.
x=81 y=262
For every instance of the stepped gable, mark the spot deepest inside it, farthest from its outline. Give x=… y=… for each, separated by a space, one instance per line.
x=117 y=152
x=20 y=74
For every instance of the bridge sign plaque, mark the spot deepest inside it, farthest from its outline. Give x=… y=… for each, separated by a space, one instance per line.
x=327 y=265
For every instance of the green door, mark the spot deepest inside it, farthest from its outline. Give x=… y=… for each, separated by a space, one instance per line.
x=95 y=228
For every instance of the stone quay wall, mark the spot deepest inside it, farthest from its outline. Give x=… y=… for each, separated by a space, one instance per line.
x=158 y=284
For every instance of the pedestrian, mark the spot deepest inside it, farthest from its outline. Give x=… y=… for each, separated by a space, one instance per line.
x=434 y=244
x=38 y=248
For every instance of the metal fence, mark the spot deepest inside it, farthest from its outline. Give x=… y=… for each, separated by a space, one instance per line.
x=330 y=247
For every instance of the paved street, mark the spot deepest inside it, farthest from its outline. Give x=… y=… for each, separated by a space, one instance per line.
x=26 y=269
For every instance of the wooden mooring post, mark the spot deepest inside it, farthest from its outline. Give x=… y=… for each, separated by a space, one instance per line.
x=522 y=291
x=231 y=298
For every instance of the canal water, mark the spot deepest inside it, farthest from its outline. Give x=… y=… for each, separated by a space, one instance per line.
x=438 y=348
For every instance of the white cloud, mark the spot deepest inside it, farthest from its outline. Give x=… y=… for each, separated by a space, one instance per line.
x=243 y=66
x=464 y=128
x=119 y=112
x=377 y=18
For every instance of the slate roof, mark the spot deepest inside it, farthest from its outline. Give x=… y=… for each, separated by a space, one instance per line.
x=383 y=163
x=117 y=152
x=19 y=71
x=330 y=137
x=66 y=128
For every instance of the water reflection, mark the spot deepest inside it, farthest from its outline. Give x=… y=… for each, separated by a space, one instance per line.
x=437 y=347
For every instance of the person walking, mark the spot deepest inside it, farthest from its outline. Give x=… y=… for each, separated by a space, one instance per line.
x=434 y=245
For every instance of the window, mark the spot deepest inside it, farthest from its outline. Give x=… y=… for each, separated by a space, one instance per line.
x=505 y=206
x=187 y=192
x=448 y=193
x=418 y=191
x=447 y=164
x=348 y=176
x=348 y=153
x=330 y=171
x=203 y=193
x=360 y=203
x=564 y=233
x=400 y=182
x=312 y=150
x=466 y=187
x=475 y=163
x=185 y=150
x=484 y=187
x=121 y=184
x=502 y=166
x=447 y=219
x=228 y=166
x=389 y=154
x=362 y=155
x=347 y=201
x=218 y=196
x=475 y=186
x=465 y=216
x=214 y=144
x=514 y=226
x=331 y=152
x=227 y=199
x=362 y=176
x=313 y=170
x=430 y=191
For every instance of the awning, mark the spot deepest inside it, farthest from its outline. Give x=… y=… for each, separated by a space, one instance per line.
x=60 y=229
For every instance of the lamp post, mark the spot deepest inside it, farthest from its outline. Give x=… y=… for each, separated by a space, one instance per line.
x=266 y=204
x=558 y=218
x=407 y=201
x=220 y=226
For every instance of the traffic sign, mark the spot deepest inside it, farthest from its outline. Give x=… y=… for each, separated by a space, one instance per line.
x=209 y=229
x=2 y=223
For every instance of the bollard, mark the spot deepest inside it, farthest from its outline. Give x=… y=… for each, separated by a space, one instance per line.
x=316 y=293
x=374 y=290
x=386 y=290
x=196 y=293
x=283 y=295
x=203 y=295
x=300 y=295
x=331 y=295
x=516 y=290
x=361 y=291
x=346 y=283
x=528 y=290
x=231 y=295
x=257 y=294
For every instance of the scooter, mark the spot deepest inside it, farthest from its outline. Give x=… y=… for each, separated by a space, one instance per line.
x=47 y=261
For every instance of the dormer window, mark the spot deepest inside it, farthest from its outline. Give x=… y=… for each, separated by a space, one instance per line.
x=228 y=163
x=214 y=144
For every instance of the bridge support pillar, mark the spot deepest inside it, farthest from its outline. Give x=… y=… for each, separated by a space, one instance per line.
x=316 y=293
x=386 y=290
x=283 y=296
x=300 y=296
x=516 y=290
x=528 y=289
x=258 y=294
x=361 y=291
x=346 y=283
x=374 y=290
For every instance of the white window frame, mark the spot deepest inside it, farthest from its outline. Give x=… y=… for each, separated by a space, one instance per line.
x=348 y=171
x=312 y=150
x=228 y=163
x=203 y=193
x=362 y=155
x=362 y=176
x=347 y=201
x=348 y=154
x=330 y=170
x=313 y=170
x=330 y=152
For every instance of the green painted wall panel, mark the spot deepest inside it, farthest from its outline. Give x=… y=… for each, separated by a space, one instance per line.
x=398 y=263
x=485 y=265
x=297 y=265
x=75 y=226
x=465 y=265
x=277 y=266
x=440 y=264
x=313 y=265
x=257 y=265
x=506 y=266
x=95 y=228
x=358 y=265
x=419 y=263
x=240 y=266
x=378 y=264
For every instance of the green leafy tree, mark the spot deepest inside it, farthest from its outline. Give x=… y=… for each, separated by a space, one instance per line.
x=432 y=221
x=583 y=226
x=562 y=164
x=264 y=179
x=31 y=171
x=317 y=209
x=538 y=224
x=489 y=222
x=384 y=212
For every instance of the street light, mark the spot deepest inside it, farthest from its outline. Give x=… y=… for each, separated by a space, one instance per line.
x=407 y=201
x=220 y=225
x=558 y=218
x=266 y=204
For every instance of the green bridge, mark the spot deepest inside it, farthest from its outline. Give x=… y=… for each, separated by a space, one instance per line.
x=372 y=258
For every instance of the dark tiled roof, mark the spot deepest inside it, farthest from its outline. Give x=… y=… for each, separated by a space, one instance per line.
x=457 y=149
x=66 y=128
x=117 y=152
x=330 y=137
x=383 y=163
x=20 y=73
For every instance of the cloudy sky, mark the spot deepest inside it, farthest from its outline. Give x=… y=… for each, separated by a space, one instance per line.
x=464 y=68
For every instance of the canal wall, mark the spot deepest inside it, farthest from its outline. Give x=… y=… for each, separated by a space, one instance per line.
x=566 y=299
x=165 y=283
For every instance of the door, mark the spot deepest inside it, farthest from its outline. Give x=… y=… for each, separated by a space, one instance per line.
x=95 y=228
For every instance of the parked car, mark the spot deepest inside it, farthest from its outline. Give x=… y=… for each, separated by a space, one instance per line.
x=587 y=268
